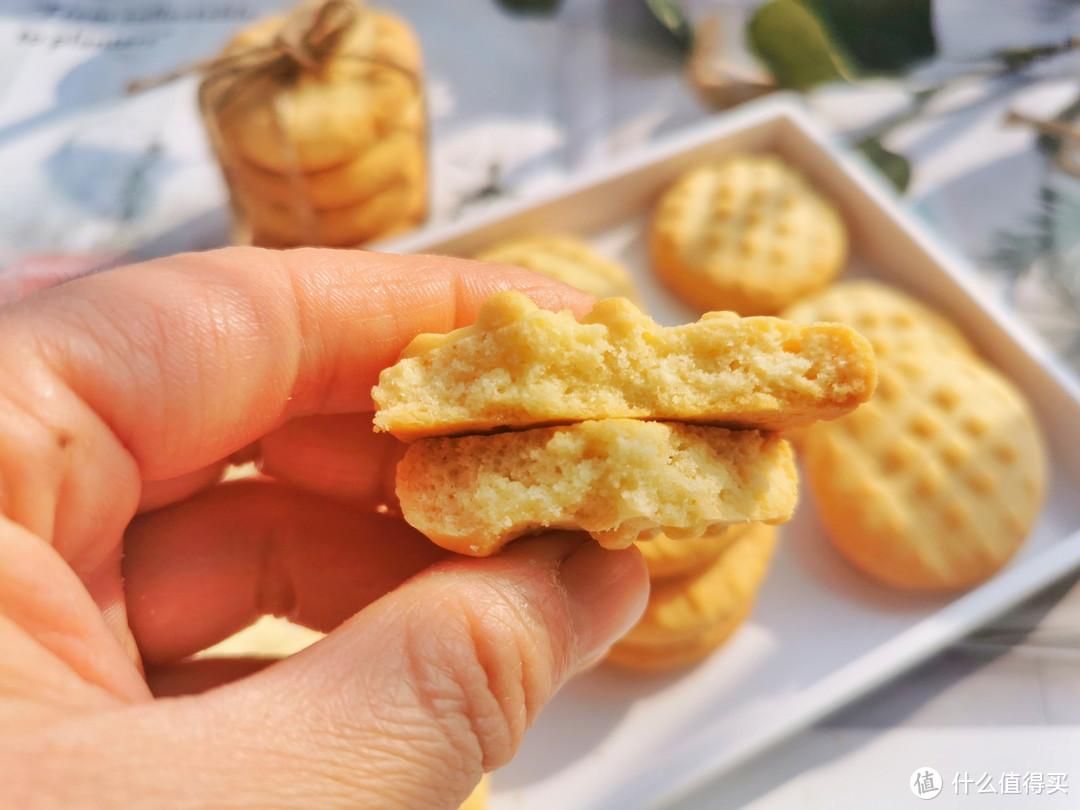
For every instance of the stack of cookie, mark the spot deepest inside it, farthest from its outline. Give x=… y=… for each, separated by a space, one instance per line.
x=937 y=481
x=327 y=144
x=614 y=425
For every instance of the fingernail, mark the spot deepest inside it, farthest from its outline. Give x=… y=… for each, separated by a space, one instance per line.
x=606 y=592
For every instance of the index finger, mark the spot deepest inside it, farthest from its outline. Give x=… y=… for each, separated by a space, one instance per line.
x=152 y=371
x=191 y=357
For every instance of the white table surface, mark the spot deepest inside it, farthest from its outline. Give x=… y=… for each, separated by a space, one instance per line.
x=975 y=709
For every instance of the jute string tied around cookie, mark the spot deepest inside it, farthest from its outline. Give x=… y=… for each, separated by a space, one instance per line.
x=307 y=41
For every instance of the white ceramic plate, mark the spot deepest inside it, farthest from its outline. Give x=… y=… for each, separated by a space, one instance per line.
x=821 y=634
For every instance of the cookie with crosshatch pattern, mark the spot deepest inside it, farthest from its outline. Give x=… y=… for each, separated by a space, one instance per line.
x=745 y=233
x=688 y=617
x=893 y=322
x=936 y=482
x=567 y=259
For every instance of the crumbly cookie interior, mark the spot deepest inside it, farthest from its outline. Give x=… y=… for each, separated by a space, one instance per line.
x=520 y=366
x=619 y=479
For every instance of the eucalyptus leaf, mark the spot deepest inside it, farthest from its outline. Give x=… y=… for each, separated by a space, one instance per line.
x=530 y=6
x=896 y=168
x=795 y=46
x=674 y=20
x=880 y=36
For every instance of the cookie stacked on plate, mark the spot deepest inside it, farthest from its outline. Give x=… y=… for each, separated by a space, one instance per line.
x=531 y=420
x=701 y=592
x=936 y=482
x=326 y=144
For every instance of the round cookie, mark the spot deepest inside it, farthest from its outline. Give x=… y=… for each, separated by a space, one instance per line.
x=893 y=322
x=393 y=208
x=688 y=617
x=399 y=157
x=747 y=234
x=566 y=259
x=669 y=557
x=935 y=482
x=321 y=120
x=312 y=125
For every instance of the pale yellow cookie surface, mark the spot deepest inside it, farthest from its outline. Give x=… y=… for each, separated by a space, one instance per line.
x=521 y=366
x=478 y=799
x=745 y=233
x=937 y=480
x=269 y=636
x=688 y=617
x=893 y=322
x=678 y=652
x=397 y=159
x=319 y=124
x=567 y=259
x=618 y=479
x=668 y=557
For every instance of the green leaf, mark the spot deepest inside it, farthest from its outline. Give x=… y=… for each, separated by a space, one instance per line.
x=674 y=20
x=880 y=36
x=530 y=6
x=795 y=46
x=896 y=168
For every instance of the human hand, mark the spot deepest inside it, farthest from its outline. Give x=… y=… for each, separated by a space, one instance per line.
x=122 y=397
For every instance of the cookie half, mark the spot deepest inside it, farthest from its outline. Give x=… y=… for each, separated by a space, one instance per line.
x=520 y=366
x=618 y=479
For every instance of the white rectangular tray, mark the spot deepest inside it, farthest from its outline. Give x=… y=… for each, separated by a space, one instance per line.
x=821 y=634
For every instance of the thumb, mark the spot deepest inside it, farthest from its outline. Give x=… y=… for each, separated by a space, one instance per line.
x=408 y=702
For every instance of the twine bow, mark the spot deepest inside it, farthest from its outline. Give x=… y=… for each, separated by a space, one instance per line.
x=307 y=40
